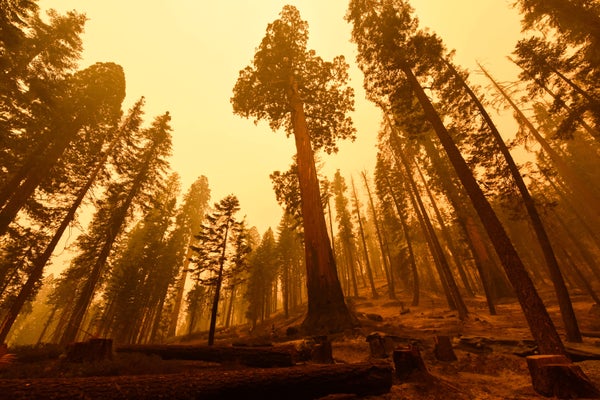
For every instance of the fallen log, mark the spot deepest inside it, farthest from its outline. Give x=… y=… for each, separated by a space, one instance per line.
x=93 y=350
x=557 y=376
x=297 y=383
x=266 y=357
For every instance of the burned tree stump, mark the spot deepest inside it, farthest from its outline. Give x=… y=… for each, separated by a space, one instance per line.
x=382 y=345
x=321 y=352
x=93 y=350
x=408 y=361
x=557 y=376
x=377 y=345
x=443 y=349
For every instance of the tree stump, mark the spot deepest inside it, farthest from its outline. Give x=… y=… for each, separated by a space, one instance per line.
x=408 y=361
x=383 y=345
x=557 y=376
x=377 y=345
x=443 y=349
x=93 y=350
x=321 y=352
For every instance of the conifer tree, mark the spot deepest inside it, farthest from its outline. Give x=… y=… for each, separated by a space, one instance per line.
x=292 y=88
x=213 y=256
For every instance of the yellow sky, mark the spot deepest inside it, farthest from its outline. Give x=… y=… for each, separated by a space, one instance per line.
x=184 y=57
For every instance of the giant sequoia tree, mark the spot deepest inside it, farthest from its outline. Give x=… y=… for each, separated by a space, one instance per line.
x=292 y=88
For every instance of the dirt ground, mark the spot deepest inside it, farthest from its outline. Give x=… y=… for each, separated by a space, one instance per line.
x=486 y=346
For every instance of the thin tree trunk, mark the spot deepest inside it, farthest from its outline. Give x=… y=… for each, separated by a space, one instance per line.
x=179 y=290
x=479 y=247
x=230 y=307
x=446 y=234
x=453 y=295
x=384 y=258
x=46 y=326
x=411 y=255
x=583 y=281
x=215 y=303
x=374 y=293
x=540 y=324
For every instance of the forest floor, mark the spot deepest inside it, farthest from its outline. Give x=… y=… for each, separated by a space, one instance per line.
x=486 y=346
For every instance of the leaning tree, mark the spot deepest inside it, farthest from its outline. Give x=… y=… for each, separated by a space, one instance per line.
x=292 y=88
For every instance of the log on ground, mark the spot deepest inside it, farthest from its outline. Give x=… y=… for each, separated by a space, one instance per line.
x=297 y=383
x=266 y=357
x=93 y=350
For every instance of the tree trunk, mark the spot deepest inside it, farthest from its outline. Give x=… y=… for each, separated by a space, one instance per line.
x=484 y=258
x=364 y=243
x=540 y=324
x=411 y=255
x=446 y=235
x=384 y=257
x=327 y=310
x=453 y=295
x=172 y=331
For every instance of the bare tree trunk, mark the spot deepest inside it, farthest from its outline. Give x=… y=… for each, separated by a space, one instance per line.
x=405 y=230
x=180 y=288
x=446 y=235
x=453 y=295
x=384 y=257
x=374 y=293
